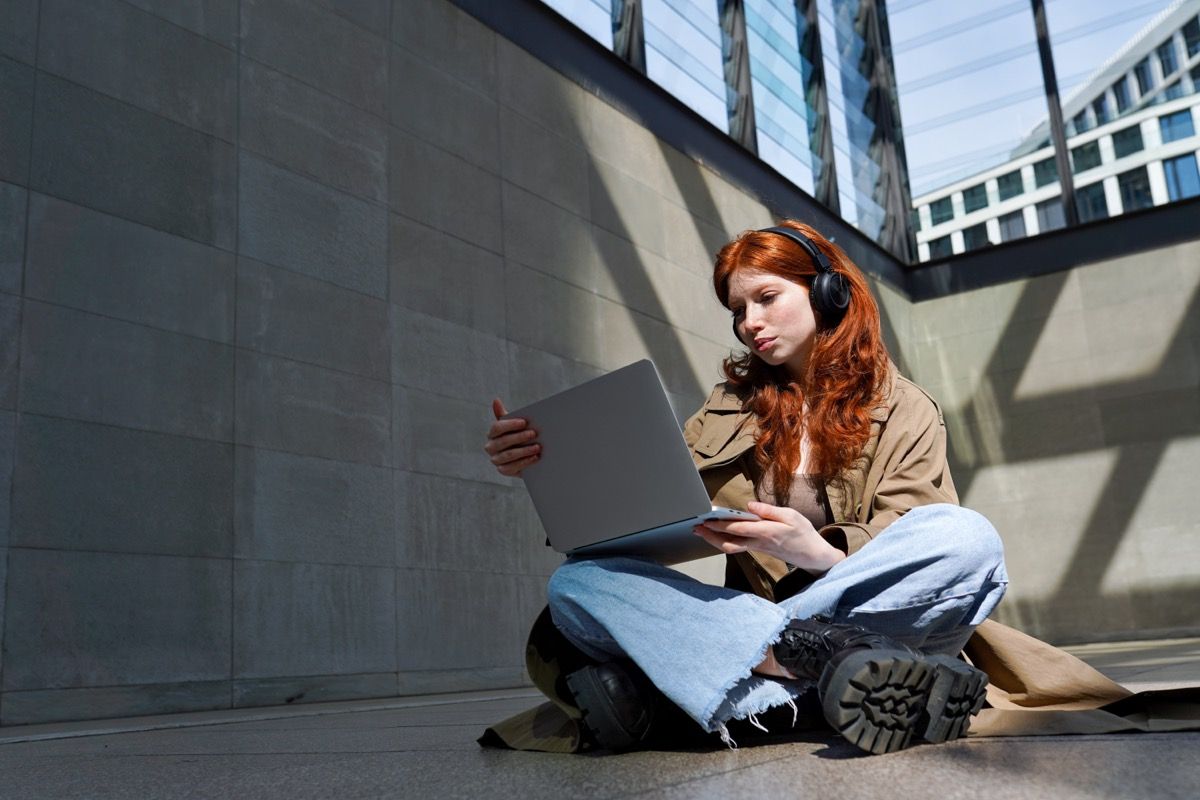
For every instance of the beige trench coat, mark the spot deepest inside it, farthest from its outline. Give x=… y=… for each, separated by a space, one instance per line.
x=1035 y=688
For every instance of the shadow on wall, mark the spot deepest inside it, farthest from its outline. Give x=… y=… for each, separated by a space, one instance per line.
x=1133 y=419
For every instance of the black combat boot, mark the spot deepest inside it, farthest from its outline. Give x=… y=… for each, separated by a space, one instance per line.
x=877 y=692
x=618 y=701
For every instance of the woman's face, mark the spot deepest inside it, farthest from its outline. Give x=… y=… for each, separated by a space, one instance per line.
x=773 y=317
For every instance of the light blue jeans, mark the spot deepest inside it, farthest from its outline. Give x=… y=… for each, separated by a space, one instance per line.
x=927 y=580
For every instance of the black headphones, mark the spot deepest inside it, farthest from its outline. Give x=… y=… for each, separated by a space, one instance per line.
x=830 y=292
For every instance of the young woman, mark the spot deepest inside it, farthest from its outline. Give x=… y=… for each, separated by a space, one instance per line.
x=862 y=576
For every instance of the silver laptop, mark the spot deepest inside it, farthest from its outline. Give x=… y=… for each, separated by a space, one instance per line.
x=615 y=475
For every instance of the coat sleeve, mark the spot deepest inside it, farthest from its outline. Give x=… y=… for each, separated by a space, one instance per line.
x=914 y=472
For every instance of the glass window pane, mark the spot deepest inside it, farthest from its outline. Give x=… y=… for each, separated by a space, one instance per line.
x=1090 y=202
x=593 y=17
x=1045 y=172
x=1050 y=214
x=941 y=211
x=1010 y=184
x=1085 y=156
x=975 y=236
x=784 y=118
x=1172 y=92
x=1135 y=190
x=1144 y=76
x=1183 y=179
x=1177 y=126
x=683 y=55
x=1012 y=226
x=1120 y=91
x=1100 y=109
x=1191 y=36
x=1166 y=57
x=975 y=198
x=940 y=247
x=1127 y=141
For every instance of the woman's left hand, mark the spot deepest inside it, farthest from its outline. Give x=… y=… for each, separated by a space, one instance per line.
x=781 y=532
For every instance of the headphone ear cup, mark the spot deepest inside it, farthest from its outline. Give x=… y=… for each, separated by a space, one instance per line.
x=830 y=296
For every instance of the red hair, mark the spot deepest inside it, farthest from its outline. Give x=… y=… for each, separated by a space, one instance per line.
x=842 y=381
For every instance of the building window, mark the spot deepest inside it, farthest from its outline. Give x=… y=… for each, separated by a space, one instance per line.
x=1128 y=141
x=976 y=237
x=1135 y=189
x=1177 y=126
x=1010 y=184
x=1191 y=36
x=1044 y=172
x=1012 y=226
x=1166 y=57
x=975 y=198
x=1100 y=109
x=940 y=247
x=941 y=211
x=1145 y=78
x=1050 y=215
x=1090 y=202
x=1120 y=91
x=1079 y=123
x=1172 y=92
x=1183 y=179
x=1085 y=156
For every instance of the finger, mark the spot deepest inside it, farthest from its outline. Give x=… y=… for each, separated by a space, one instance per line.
x=518 y=439
x=768 y=511
x=517 y=467
x=506 y=426
x=516 y=454
x=498 y=409
x=744 y=529
x=726 y=544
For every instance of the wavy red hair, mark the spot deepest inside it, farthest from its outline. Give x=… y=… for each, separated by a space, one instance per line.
x=844 y=376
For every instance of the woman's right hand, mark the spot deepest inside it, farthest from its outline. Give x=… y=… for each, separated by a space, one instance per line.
x=511 y=443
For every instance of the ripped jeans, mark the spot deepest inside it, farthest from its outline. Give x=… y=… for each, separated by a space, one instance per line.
x=927 y=580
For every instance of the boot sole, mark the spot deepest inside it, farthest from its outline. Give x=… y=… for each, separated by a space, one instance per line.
x=957 y=695
x=597 y=711
x=880 y=700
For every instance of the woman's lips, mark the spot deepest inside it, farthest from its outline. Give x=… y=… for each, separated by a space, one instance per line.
x=763 y=344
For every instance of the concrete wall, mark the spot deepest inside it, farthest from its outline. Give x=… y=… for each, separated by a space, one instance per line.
x=264 y=263
x=1073 y=405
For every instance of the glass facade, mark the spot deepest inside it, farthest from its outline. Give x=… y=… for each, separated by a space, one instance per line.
x=777 y=74
x=683 y=54
x=924 y=122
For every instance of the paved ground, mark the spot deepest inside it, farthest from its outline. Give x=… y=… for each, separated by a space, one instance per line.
x=425 y=747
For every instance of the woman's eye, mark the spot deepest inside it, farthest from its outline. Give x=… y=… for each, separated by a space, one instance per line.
x=766 y=298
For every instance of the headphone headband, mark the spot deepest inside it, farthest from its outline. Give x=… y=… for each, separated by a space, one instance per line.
x=822 y=261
